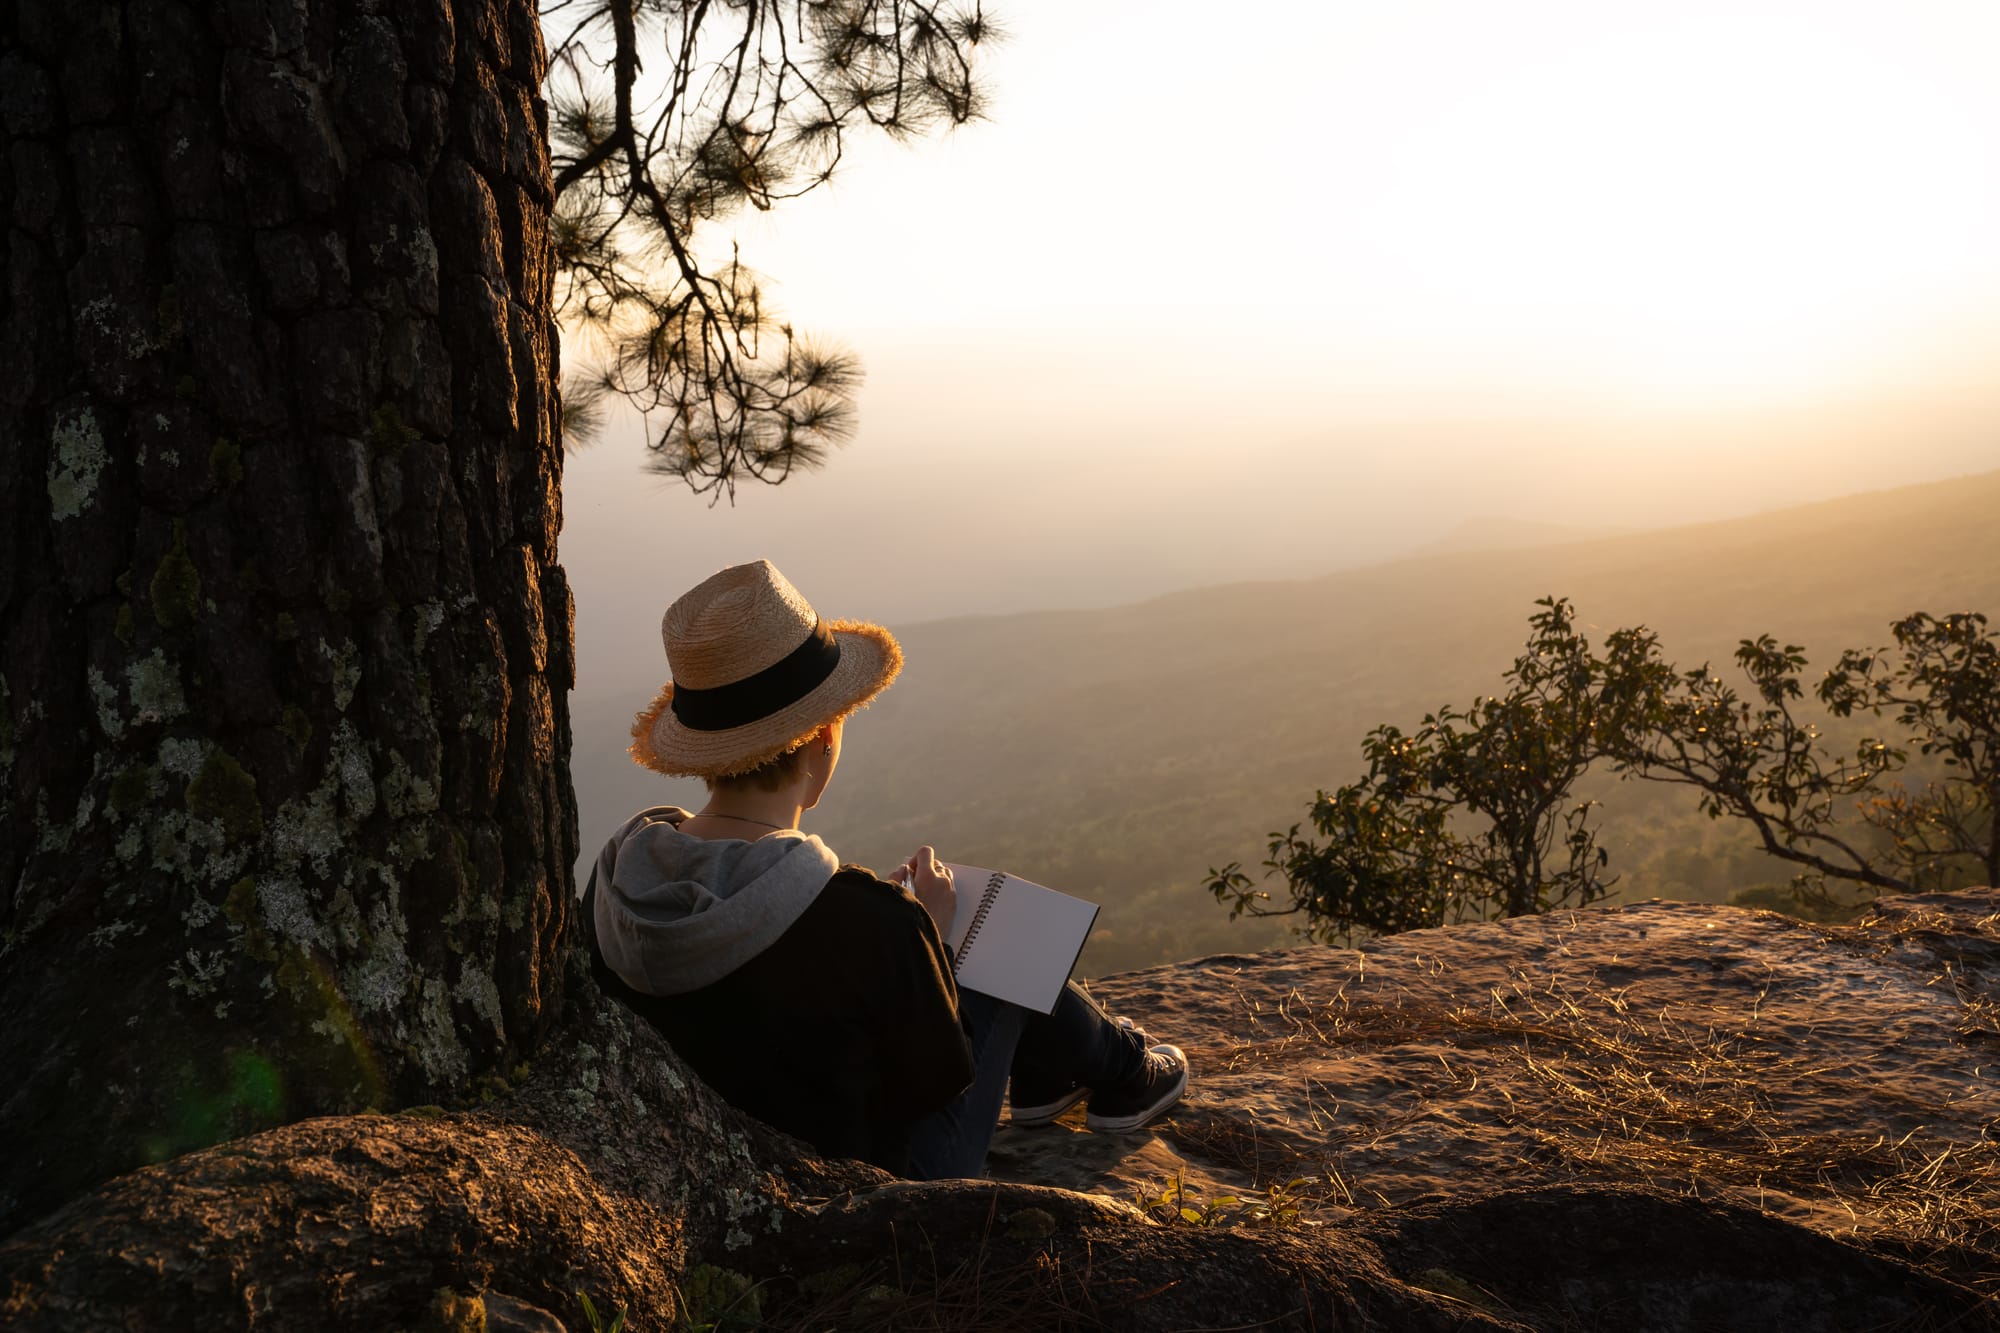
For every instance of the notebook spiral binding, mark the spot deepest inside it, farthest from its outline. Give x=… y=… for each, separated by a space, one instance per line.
x=986 y=900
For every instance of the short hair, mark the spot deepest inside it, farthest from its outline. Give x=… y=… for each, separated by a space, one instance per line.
x=771 y=775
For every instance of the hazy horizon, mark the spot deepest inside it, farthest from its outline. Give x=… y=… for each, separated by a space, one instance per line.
x=1201 y=301
x=899 y=529
x=1117 y=754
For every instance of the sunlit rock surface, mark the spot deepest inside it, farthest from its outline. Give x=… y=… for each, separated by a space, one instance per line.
x=1654 y=1119
x=1846 y=1078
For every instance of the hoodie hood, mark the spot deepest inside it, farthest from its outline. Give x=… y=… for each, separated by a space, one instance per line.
x=673 y=913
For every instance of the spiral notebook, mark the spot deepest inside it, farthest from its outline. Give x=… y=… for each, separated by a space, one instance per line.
x=1014 y=939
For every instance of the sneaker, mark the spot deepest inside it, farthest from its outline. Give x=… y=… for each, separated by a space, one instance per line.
x=1038 y=1106
x=1160 y=1083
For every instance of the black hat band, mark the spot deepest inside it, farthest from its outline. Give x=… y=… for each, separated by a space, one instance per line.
x=783 y=683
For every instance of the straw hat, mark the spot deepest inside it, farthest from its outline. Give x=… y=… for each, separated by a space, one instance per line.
x=755 y=673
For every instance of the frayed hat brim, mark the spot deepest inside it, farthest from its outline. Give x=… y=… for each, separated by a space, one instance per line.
x=870 y=658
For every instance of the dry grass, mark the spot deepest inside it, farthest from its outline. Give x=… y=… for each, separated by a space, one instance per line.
x=1695 y=1115
x=1606 y=1093
x=1307 y=1177
x=1237 y=1145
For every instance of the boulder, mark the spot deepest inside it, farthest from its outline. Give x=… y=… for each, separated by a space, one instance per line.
x=1654 y=1117
x=1775 y=1076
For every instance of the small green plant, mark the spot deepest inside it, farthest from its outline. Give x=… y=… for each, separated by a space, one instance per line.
x=597 y=1322
x=1175 y=1202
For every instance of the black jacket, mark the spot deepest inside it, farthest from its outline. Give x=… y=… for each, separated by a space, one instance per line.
x=843 y=1033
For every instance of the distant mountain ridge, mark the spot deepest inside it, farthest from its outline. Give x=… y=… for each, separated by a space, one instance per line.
x=1498 y=532
x=1119 y=753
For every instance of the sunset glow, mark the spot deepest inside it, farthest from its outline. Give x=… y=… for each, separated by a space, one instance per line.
x=1730 y=202
x=1204 y=301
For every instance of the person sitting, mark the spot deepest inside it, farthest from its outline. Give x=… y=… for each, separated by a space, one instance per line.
x=818 y=996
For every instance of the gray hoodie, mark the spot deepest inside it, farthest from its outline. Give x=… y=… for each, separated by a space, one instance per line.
x=673 y=913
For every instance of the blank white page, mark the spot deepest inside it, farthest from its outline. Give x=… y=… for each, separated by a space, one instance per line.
x=1028 y=943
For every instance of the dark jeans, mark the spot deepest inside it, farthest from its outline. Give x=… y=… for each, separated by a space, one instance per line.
x=1076 y=1044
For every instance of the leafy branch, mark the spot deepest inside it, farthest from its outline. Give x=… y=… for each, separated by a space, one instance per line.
x=1471 y=815
x=1754 y=758
x=1942 y=682
x=753 y=106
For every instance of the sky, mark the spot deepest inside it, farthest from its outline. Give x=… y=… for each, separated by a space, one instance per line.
x=1220 y=294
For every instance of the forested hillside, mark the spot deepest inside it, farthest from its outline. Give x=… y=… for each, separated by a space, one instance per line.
x=1119 y=753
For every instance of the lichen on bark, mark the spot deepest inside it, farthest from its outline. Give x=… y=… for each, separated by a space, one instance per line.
x=77 y=459
x=272 y=761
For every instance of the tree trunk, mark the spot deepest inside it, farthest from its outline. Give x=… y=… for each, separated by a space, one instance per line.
x=283 y=644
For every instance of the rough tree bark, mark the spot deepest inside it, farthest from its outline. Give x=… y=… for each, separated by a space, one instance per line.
x=283 y=643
